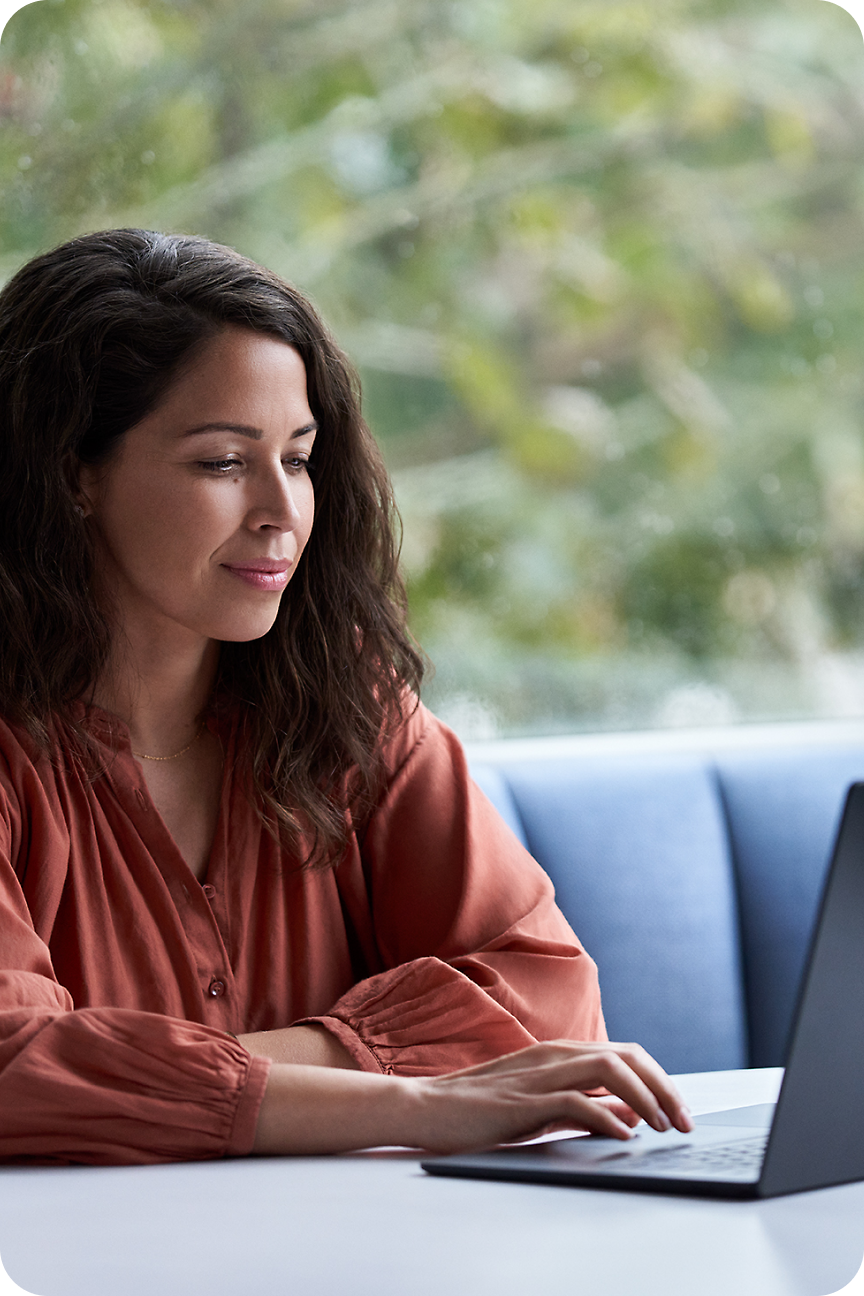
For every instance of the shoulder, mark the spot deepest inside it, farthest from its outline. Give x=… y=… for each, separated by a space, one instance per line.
x=32 y=777
x=419 y=738
x=23 y=771
x=19 y=753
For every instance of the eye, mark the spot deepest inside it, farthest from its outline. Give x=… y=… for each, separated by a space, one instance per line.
x=218 y=466
x=297 y=464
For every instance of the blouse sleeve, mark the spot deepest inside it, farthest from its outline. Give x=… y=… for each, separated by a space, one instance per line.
x=479 y=959
x=107 y=1085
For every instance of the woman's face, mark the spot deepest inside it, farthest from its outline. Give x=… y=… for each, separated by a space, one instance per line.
x=201 y=515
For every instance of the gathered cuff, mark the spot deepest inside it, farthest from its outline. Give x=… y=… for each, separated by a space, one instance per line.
x=423 y=1018
x=109 y=1086
x=246 y=1115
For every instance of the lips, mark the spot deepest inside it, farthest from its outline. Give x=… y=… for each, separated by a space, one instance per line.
x=261 y=565
x=271 y=574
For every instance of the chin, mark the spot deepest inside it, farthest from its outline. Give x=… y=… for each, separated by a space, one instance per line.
x=246 y=633
x=232 y=622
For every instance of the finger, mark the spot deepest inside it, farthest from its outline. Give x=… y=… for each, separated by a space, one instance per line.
x=578 y=1111
x=667 y=1098
x=614 y=1073
x=469 y=1112
x=575 y=1124
x=619 y=1109
x=646 y=1087
x=606 y=1069
x=661 y=1086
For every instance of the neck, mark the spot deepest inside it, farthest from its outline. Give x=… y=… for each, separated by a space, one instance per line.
x=160 y=694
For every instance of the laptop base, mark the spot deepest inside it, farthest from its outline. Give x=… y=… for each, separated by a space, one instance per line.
x=596 y=1162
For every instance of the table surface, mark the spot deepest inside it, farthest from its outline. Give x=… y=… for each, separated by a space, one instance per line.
x=373 y=1222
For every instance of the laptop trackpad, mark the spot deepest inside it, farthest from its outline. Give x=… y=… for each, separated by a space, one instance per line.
x=759 y=1116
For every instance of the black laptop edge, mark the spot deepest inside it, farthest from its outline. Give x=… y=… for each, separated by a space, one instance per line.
x=813 y=1141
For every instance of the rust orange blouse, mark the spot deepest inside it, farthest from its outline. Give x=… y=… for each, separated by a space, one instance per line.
x=433 y=944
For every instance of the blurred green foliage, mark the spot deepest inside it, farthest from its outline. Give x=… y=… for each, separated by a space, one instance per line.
x=600 y=265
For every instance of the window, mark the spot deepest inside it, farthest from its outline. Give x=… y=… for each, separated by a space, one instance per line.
x=601 y=268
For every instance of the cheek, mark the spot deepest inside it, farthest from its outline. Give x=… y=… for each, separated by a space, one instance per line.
x=167 y=526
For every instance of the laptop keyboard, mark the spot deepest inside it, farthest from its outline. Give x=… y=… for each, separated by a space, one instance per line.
x=743 y=1158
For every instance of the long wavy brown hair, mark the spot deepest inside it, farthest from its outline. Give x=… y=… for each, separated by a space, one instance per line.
x=91 y=336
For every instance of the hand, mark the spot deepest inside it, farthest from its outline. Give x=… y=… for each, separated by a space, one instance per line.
x=537 y=1090
x=541 y=1089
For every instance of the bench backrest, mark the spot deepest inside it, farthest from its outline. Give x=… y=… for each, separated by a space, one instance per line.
x=692 y=878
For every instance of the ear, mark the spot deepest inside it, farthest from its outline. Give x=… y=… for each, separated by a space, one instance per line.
x=85 y=490
x=82 y=504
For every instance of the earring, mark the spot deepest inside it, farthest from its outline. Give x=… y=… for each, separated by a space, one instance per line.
x=80 y=511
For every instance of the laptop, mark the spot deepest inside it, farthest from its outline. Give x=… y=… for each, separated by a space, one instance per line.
x=814 y=1135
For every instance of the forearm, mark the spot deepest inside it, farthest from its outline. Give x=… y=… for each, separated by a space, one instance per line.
x=117 y=1086
x=309 y=1045
x=309 y=1110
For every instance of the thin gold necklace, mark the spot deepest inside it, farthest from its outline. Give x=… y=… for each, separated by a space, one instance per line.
x=141 y=755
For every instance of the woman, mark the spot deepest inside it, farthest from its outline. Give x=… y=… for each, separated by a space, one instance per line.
x=249 y=899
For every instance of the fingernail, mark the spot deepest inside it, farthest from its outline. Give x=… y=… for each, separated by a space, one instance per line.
x=685 y=1117
x=663 y=1121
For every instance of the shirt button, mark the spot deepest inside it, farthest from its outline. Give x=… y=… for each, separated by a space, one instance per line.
x=216 y=989
x=208 y=890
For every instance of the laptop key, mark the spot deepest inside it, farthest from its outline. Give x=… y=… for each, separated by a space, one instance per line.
x=743 y=1157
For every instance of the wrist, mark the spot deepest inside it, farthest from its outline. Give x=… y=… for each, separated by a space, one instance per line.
x=310 y=1111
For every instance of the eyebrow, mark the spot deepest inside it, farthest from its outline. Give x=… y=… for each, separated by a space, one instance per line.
x=243 y=429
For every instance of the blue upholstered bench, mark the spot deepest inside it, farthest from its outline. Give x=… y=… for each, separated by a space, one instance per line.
x=690 y=866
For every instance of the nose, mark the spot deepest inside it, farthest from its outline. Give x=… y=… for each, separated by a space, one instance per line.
x=278 y=499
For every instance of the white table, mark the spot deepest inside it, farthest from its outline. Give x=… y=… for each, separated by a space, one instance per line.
x=374 y=1224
